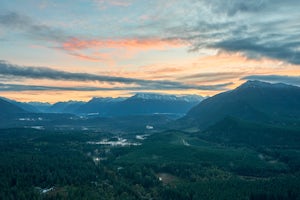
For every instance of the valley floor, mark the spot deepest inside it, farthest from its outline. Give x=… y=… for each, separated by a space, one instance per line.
x=41 y=164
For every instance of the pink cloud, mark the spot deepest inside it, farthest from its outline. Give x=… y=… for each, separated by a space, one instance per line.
x=129 y=44
x=110 y=50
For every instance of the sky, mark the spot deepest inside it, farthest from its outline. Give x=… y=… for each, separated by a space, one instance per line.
x=60 y=50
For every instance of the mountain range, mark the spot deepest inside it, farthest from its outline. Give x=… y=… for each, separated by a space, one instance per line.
x=139 y=104
x=253 y=102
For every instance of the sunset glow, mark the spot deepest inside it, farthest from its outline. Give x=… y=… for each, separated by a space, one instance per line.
x=74 y=50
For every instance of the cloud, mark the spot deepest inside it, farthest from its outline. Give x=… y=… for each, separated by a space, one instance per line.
x=234 y=7
x=33 y=29
x=37 y=31
x=117 y=48
x=87 y=57
x=129 y=44
x=48 y=73
x=293 y=80
x=19 y=87
x=258 y=28
x=213 y=76
x=76 y=46
x=253 y=47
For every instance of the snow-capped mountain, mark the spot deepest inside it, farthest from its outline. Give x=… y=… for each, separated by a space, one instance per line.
x=138 y=104
x=107 y=99
x=166 y=97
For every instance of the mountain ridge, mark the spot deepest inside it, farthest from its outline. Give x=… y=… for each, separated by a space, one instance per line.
x=9 y=109
x=253 y=100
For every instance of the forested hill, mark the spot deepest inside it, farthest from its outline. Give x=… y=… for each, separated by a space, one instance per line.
x=253 y=101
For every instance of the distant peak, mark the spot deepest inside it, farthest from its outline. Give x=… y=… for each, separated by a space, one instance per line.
x=261 y=84
x=38 y=103
x=153 y=96
x=256 y=83
x=107 y=99
x=70 y=102
x=167 y=97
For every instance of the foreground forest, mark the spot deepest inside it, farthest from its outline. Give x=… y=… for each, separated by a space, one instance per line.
x=41 y=164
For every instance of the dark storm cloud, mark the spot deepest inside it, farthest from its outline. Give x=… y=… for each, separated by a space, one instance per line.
x=7 y=69
x=293 y=80
x=30 y=27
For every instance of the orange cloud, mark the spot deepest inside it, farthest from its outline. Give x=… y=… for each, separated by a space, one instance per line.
x=129 y=44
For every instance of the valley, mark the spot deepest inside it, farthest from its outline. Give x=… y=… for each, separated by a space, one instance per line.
x=97 y=165
x=152 y=156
